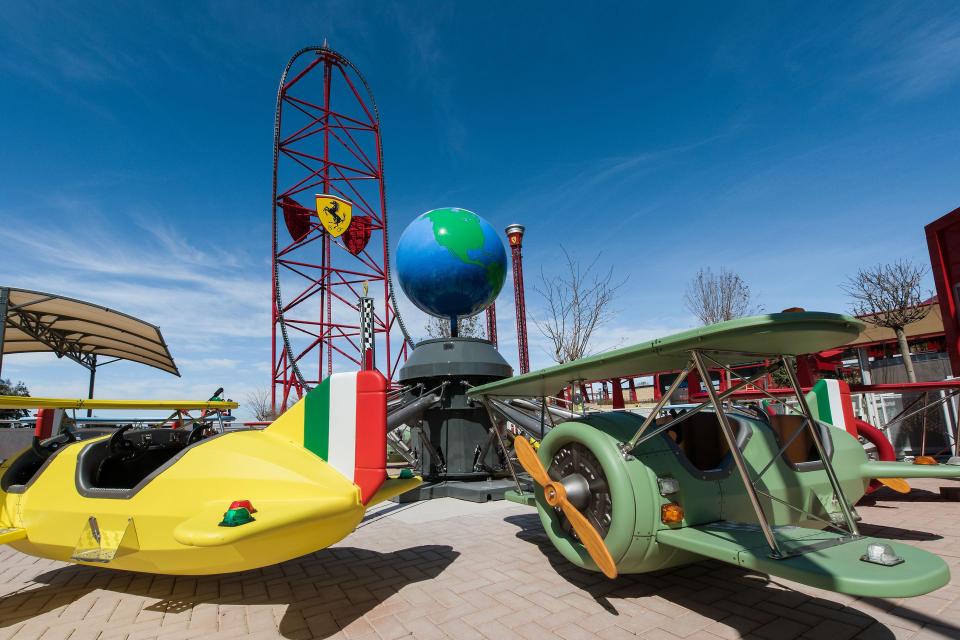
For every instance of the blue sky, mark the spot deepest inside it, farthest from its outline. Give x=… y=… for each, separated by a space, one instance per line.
x=791 y=143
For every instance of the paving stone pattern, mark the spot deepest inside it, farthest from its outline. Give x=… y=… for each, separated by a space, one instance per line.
x=482 y=571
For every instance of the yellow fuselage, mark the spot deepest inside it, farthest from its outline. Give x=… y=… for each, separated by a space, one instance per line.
x=302 y=505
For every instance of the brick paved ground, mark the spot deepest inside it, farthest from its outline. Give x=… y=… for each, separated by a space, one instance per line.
x=459 y=570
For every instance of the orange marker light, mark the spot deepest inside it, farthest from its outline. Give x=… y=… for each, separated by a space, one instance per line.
x=671 y=513
x=924 y=460
x=243 y=504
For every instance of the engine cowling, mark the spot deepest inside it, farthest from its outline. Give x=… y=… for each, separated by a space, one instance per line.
x=619 y=496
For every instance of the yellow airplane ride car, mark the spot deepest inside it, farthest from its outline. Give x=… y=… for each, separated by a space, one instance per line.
x=178 y=501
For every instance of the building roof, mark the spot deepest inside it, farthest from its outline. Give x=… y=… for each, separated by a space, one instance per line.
x=46 y=322
x=930 y=326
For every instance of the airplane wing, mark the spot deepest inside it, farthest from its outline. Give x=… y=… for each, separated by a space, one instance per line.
x=394 y=487
x=11 y=534
x=743 y=340
x=822 y=559
x=203 y=530
x=27 y=402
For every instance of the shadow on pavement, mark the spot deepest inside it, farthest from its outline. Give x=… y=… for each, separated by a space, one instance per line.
x=323 y=592
x=896 y=533
x=886 y=495
x=744 y=600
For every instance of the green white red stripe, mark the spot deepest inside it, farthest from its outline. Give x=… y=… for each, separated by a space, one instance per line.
x=830 y=402
x=345 y=423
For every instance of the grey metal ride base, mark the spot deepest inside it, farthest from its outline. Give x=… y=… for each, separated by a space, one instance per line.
x=477 y=491
x=461 y=444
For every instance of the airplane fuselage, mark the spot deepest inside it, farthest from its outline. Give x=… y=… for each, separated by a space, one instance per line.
x=169 y=521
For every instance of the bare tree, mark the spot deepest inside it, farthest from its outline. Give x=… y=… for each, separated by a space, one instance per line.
x=888 y=295
x=7 y=388
x=577 y=302
x=467 y=327
x=259 y=402
x=716 y=297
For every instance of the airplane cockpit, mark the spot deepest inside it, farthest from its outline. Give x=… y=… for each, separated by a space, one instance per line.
x=110 y=467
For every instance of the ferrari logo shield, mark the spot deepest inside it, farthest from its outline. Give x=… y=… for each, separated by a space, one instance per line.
x=335 y=214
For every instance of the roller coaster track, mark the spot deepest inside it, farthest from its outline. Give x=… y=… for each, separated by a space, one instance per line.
x=292 y=358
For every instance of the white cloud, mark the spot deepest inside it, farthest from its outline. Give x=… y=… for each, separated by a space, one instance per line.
x=918 y=52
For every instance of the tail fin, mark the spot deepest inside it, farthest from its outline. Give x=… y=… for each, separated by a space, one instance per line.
x=830 y=402
x=344 y=421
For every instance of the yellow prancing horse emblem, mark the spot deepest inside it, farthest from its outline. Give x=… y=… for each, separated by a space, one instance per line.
x=335 y=214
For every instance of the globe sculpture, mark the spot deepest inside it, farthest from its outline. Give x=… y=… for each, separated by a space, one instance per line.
x=451 y=263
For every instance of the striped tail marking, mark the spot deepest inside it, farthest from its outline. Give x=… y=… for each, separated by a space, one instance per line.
x=830 y=402
x=343 y=420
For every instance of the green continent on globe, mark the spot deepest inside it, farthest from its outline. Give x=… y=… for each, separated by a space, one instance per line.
x=468 y=236
x=450 y=262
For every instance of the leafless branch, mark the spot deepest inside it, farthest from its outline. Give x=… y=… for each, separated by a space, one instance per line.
x=259 y=402
x=467 y=327
x=577 y=303
x=888 y=295
x=718 y=297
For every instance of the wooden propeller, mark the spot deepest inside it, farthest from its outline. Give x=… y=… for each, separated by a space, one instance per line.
x=556 y=496
x=897 y=484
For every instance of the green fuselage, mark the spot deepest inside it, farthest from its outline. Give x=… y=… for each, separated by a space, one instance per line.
x=706 y=495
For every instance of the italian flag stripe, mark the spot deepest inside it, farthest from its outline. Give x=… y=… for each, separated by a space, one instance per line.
x=331 y=421
x=316 y=427
x=830 y=403
x=345 y=424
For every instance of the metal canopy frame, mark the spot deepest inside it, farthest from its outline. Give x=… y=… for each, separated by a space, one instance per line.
x=701 y=361
x=85 y=346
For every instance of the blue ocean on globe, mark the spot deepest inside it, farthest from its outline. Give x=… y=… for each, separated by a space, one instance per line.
x=451 y=262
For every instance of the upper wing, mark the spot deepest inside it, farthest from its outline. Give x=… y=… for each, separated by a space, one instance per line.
x=742 y=340
x=27 y=402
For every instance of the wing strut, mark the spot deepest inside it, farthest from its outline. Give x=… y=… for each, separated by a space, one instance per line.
x=737 y=456
x=698 y=361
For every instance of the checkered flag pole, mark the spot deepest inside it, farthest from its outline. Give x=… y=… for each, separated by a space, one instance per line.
x=366 y=334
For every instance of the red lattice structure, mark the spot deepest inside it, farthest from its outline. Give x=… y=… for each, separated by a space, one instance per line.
x=327 y=140
x=515 y=235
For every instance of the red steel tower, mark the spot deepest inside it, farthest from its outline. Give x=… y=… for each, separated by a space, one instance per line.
x=492 y=323
x=327 y=141
x=515 y=235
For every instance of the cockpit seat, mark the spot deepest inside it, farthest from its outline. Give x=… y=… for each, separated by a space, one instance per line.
x=703 y=442
x=802 y=449
x=106 y=471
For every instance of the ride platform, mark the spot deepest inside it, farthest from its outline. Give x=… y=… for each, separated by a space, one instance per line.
x=451 y=569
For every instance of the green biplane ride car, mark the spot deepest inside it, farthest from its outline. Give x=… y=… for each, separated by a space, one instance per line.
x=623 y=493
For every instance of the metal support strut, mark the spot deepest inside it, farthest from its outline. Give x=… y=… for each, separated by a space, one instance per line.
x=737 y=456
x=4 y=303
x=788 y=364
x=627 y=447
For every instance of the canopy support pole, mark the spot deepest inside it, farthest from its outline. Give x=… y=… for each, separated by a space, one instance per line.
x=4 y=303
x=93 y=378
x=737 y=455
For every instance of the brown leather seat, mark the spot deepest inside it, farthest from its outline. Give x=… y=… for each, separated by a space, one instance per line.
x=703 y=442
x=802 y=448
